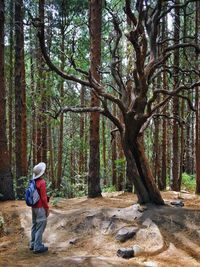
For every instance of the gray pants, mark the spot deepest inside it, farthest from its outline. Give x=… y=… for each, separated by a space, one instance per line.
x=39 y=222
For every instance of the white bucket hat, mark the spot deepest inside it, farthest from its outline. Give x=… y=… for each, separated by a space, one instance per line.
x=39 y=170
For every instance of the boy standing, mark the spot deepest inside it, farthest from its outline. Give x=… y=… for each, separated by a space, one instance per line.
x=40 y=211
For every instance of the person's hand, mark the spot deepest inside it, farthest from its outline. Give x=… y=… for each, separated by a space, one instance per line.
x=47 y=213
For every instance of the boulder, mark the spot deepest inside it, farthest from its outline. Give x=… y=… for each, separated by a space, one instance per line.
x=125 y=253
x=126 y=233
x=177 y=203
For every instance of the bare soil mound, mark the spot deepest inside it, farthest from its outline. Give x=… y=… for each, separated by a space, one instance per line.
x=82 y=232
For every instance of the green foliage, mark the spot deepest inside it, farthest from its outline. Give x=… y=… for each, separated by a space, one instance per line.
x=55 y=201
x=120 y=165
x=109 y=189
x=78 y=187
x=188 y=181
x=23 y=181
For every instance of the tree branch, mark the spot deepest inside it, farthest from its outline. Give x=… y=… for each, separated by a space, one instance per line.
x=41 y=37
x=183 y=45
x=170 y=95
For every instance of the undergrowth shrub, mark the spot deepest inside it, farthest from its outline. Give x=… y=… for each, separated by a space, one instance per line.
x=188 y=182
x=109 y=189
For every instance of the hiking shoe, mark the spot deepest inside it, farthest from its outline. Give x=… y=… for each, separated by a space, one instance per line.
x=43 y=249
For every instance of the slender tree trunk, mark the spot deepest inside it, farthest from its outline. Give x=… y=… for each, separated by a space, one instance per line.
x=156 y=154
x=44 y=119
x=94 y=189
x=51 y=158
x=176 y=156
x=86 y=138
x=189 y=157
x=114 y=153
x=197 y=106
x=182 y=131
x=162 y=179
x=20 y=100
x=60 y=141
x=10 y=94
x=81 y=154
x=33 y=97
x=121 y=172
x=38 y=111
x=104 y=148
x=60 y=148
x=163 y=176
x=43 y=102
x=6 y=180
x=72 y=165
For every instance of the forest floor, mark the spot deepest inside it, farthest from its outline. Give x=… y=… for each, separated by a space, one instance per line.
x=81 y=232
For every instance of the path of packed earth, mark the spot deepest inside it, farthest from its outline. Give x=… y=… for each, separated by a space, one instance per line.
x=82 y=232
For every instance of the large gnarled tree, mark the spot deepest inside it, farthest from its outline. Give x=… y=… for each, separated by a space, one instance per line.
x=137 y=100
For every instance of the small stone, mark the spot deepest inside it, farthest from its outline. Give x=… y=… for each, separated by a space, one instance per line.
x=8 y=231
x=126 y=233
x=73 y=241
x=148 y=222
x=142 y=208
x=177 y=203
x=137 y=250
x=185 y=192
x=150 y=264
x=125 y=253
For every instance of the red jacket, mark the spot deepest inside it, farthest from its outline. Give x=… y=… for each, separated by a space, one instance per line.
x=41 y=187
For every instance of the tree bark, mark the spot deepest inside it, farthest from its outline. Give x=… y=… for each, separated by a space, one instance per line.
x=60 y=141
x=197 y=145
x=94 y=189
x=163 y=177
x=156 y=150
x=33 y=96
x=51 y=158
x=104 y=173
x=20 y=100
x=82 y=130
x=175 y=140
x=121 y=173
x=139 y=170
x=10 y=93
x=148 y=182
x=6 y=179
x=114 y=153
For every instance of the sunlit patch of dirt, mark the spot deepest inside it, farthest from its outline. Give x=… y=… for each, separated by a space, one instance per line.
x=81 y=232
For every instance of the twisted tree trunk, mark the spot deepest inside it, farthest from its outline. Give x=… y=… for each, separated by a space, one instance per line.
x=140 y=172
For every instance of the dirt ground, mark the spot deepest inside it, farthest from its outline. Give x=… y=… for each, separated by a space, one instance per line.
x=81 y=232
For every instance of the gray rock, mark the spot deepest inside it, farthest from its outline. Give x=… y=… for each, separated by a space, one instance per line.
x=125 y=253
x=177 y=203
x=73 y=241
x=126 y=233
x=142 y=208
x=8 y=231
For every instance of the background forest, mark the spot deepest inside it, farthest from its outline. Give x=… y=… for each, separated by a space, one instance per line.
x=142 y=60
